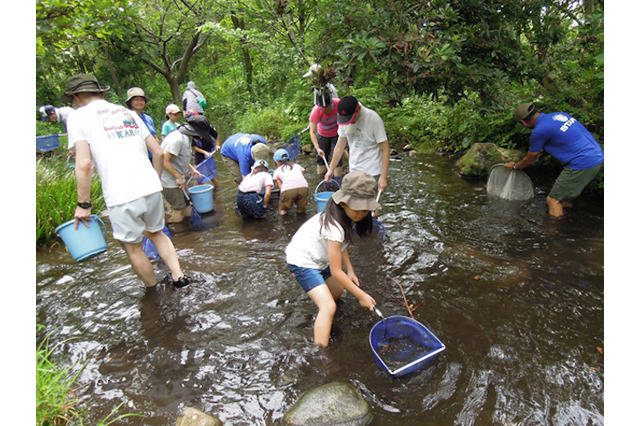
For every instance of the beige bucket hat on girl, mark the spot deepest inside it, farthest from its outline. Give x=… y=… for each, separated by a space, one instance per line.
x=359 y=190
x=136 y=91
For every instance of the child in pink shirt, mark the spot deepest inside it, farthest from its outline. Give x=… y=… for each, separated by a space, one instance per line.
x=250 y=203
x=294 y=188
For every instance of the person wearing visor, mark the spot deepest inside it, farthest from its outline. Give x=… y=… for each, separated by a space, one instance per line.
x=55 y=115
x=363 y=129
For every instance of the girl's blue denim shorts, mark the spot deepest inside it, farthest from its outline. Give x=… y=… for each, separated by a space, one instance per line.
x=309 y=278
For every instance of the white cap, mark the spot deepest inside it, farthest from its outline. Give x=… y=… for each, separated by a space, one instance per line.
x=171 y=108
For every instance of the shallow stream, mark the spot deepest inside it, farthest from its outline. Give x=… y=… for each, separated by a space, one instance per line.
x=516 y=297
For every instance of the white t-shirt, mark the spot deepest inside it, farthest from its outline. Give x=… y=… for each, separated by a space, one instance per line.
x=179 y=146
x=309 y=247
x=255 y=182
x=364 y=136
x=116 y=137
x=291 y=177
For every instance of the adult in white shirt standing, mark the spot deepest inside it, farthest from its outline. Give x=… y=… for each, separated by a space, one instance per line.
x=369 y=149
x=116 y=140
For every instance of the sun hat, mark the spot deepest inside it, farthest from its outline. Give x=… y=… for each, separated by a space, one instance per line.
x=81 y=83
x=260 y=151
x=260 y=163
x=312 y=70
x=197 y=126
x=136 y=91
x=191 y=85
x=347 y=107
x=523 y=111
x=358 y=191
x=281 y=154
x=171 y=109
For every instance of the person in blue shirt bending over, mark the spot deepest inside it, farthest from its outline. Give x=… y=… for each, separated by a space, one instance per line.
x=569 y=142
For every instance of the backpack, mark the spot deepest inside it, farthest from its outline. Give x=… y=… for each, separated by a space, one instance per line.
x=201 y=100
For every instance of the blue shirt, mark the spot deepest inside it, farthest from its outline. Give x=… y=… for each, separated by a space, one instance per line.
x=238 y=148
x=567 y=140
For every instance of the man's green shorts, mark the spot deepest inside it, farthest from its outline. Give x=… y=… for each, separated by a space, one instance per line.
x=572 y=182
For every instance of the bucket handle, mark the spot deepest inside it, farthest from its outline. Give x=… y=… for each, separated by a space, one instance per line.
x=332 y=180
x=103 y=227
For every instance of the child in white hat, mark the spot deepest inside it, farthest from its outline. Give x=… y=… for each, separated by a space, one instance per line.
x=250 y=203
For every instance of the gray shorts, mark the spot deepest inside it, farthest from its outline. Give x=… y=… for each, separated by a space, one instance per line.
x=130 y=220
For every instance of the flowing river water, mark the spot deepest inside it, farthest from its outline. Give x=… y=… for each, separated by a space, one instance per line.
x=516 y=297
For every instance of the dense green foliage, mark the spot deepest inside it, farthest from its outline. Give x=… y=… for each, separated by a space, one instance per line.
x=443 y=74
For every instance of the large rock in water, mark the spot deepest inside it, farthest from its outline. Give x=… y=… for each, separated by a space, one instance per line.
x=481 y=157
x=193 y=417
x=333 y=404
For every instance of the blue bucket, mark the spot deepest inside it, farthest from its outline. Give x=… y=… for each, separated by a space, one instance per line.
x=84 y=243
x=202 y=198
x=321 y=198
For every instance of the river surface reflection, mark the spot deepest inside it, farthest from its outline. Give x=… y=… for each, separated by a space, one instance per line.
x=517 y=298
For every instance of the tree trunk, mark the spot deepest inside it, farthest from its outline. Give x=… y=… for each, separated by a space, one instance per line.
x=248 y=63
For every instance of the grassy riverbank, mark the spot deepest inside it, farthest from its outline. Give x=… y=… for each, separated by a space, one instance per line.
x=56 y=195
x=56 y=403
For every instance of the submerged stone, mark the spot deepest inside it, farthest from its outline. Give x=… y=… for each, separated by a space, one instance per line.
x=333 y=404
x=194 y=417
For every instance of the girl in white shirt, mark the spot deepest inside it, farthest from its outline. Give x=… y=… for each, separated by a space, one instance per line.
x=318 y=251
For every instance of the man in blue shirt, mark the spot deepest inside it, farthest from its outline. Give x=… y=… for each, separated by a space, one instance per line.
x=568 y=141
x=240 y=151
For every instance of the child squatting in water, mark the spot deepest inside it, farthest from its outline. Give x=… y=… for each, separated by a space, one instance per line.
x=318 y=251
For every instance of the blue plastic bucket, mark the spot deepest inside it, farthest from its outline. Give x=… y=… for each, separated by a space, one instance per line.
x=84 y=243
x=202 y=198
x=321 y=198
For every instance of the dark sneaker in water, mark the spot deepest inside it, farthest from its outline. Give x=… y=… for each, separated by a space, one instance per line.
x=181 y=282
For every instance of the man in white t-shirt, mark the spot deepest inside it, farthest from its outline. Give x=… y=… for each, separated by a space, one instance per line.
x=368 y=145
x=116 y=141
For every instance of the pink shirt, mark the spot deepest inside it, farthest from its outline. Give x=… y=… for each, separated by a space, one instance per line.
x=291 y=178
x=255 y=182
x=327 y=124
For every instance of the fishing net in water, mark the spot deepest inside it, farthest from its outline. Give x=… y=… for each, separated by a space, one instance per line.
x=509 y=184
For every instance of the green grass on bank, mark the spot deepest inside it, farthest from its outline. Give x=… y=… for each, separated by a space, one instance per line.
x=56 y=195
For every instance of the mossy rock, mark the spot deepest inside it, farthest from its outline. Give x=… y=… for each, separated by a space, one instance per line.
x=481 y=157
x=333 y=404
